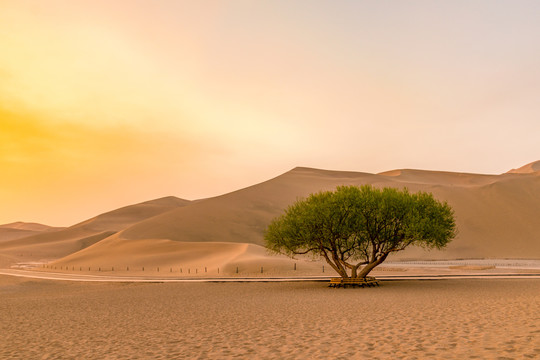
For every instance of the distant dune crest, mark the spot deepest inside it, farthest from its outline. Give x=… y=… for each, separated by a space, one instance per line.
x=19 y=225
x=527 y=169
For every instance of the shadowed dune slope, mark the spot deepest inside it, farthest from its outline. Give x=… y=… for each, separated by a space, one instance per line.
x=59 y=243
x=241 y=216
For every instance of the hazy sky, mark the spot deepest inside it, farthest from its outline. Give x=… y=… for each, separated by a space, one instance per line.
x=109 y=103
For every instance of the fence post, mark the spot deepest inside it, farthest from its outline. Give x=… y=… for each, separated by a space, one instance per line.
x=295 y=266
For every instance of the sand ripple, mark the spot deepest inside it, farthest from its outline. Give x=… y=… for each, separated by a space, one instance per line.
x=451 y=319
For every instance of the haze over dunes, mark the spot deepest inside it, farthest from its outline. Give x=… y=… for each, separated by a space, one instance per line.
x=497 y=217
x=107 y=103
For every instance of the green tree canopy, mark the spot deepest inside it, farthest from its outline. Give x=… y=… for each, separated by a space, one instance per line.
x=355 y=228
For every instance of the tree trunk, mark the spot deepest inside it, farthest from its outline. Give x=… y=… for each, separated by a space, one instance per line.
x=336 y=266
x=367 y=269
x=341 y=269
x=354 y=272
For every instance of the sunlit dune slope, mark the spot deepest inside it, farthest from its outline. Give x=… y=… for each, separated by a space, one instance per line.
x=55 y=244
x=174 y=257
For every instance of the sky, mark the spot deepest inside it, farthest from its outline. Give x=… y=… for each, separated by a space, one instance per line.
x=109 y=103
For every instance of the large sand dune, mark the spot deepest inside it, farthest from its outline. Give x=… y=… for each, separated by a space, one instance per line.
x=497 y=217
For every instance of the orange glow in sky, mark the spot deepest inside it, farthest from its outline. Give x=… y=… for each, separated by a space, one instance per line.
x=105 y=104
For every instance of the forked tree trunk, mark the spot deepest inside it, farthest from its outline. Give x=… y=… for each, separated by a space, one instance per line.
x=367 y=269
x=337 y=267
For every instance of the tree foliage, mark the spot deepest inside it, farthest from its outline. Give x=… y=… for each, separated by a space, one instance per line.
x=355 y=228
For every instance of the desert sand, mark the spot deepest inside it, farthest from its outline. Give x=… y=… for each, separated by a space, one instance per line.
x=450 y=319
x=169 y=238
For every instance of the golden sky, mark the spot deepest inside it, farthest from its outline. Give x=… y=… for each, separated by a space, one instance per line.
x=109 y=103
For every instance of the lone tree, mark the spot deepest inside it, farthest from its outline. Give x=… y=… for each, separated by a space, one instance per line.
x=355 y=228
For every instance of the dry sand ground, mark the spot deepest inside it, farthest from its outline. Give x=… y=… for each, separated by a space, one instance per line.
x=450 y=319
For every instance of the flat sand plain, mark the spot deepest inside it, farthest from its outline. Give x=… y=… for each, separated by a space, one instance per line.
x=442 y=319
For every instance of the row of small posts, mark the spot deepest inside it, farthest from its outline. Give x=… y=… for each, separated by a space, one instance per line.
x=127 y=269
x=119 y=269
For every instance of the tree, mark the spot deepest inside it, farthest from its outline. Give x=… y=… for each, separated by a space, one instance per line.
x=356 y=228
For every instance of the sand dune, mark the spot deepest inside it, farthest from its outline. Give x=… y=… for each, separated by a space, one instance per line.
x=178 y=258
x=59 y=243
x=496 y=214
x=18 y=230
x=497 y=217
x=19 y=225
x=527 y=169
